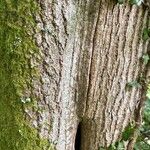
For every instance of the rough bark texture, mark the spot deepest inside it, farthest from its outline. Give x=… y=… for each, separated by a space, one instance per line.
x=90 y=50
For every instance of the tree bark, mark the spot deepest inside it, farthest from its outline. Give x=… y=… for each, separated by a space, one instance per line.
x=88 y=53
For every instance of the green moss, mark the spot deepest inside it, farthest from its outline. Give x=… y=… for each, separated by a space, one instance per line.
x=16 y=46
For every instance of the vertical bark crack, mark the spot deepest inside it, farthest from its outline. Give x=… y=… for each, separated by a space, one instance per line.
x=78 y=138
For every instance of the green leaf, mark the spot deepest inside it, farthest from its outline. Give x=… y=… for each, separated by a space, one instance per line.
x=127 y=132
x=112 y=147
x=120 y=145
x=120 y=1
x=134 y=84
x=148 y=92
x=101 y=148
x=148 y=95
x=137 y=2
x=146 y=34
x=146 y=59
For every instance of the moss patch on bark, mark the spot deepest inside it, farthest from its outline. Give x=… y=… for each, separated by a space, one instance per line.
x=16 y=49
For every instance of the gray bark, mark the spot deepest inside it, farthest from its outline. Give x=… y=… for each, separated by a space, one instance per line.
x=90 y=51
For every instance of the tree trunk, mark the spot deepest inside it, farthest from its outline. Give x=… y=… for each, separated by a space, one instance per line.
x=73 y=89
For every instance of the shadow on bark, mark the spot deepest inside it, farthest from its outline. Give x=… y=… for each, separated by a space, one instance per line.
x=78 y=138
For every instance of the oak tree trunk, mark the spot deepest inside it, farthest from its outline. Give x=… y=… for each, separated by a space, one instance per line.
x=88 y=52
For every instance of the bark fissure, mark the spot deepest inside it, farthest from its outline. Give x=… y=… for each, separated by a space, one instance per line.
x=78 y=137
x=92 y=58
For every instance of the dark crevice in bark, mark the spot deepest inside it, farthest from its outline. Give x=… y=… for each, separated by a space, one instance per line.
x=78 y=138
